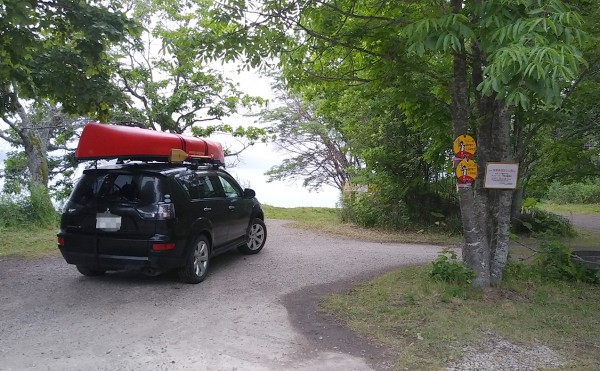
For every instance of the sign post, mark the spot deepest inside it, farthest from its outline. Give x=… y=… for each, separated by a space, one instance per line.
x=464 y=146
x=501 y=175
x=465 y=168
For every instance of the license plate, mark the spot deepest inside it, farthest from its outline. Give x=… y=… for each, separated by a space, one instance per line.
x=108 y=222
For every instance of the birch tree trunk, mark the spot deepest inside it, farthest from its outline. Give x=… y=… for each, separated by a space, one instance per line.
x=35 y=137
x=502 y=198
x=475 y=249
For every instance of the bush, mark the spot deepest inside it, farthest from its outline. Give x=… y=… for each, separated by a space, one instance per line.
x=575 y=193
x=372 y=210
x=393 y=206
x=539 y=222
x=34 y=210
x=553 y=263
x=447 y=268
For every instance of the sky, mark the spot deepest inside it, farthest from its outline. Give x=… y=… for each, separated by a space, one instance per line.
x=250 y=173
x=256 y=160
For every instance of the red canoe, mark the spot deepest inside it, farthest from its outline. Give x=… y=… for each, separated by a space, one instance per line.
x=103 y=141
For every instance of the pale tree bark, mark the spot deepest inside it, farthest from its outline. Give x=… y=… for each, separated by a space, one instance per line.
x=34 y=128
x=35 y=139
x=475 y=247
x=493 y=145
x=503 y=198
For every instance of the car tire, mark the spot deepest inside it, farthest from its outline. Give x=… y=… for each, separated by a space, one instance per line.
x=257 y=236
x=197 y=262
x=89 y=271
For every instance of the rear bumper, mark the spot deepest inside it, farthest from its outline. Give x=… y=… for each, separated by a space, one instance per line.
x=118 y=253
x=118 y=262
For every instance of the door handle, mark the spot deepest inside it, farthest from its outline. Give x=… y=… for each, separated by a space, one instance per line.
x=207 y=209
x=231 y=207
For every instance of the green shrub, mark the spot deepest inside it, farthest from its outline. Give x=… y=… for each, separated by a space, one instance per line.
x=12 y=212
x=399 y=206
x=373 y=210
x=447 y=268
x=33 y=210
x=539 y=222
x=574 y=193
x=554 y=262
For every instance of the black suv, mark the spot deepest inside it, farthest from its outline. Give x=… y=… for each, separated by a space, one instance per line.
x=157 y=217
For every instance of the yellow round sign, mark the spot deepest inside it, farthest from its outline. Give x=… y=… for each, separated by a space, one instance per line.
x=466 y=171
x=464 y=146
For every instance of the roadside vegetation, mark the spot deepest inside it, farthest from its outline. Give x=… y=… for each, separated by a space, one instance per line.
x=587 y=192
x=330 y=220
x=28 y=226
x=578 y=197
x=592 y=209
x=429 y=314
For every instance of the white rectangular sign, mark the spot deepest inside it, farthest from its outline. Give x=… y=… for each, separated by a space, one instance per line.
x=501 y=175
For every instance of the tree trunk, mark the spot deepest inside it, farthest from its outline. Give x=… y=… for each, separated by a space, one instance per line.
x=475 y=247
x=517 y=201
x=35 y=137
x=37 y=163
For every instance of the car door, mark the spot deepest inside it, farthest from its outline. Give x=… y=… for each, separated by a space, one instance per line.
x=205 y=202
x=239 y=208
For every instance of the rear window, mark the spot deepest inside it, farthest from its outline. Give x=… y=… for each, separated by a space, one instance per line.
x=135 y=188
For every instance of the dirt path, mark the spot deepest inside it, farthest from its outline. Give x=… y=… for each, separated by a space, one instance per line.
x=591 y=222
x=55 y=319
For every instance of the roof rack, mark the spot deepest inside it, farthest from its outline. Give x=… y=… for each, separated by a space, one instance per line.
x=178 y=156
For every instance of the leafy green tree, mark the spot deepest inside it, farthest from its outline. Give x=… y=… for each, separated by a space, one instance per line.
x=170 y=86
x=506 y=54
x=482 y=59
x=55 y=51
x=319 y=151
x=562 y=142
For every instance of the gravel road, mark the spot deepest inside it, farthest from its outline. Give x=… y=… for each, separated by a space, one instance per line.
x=252 y=313
x=587 y=221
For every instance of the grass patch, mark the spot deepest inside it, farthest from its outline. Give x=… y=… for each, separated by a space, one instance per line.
x=32 y=242
x=593 y=209
x=328 y=220
x=303 y=214
x=585 y=238
x=428 y=323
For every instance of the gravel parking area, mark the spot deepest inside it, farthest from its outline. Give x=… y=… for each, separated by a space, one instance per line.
x=55 y=319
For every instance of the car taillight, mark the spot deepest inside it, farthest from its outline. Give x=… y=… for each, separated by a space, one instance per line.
x=163 y=246
x=165 y=211
x=61 y=241
x=160 y=211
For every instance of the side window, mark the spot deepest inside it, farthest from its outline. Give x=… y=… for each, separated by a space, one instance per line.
x=207 y=186
x=191 y=184
x=230 y=188
x=198 y=186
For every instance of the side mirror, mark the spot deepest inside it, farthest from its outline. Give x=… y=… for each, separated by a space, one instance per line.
x=249 y=193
